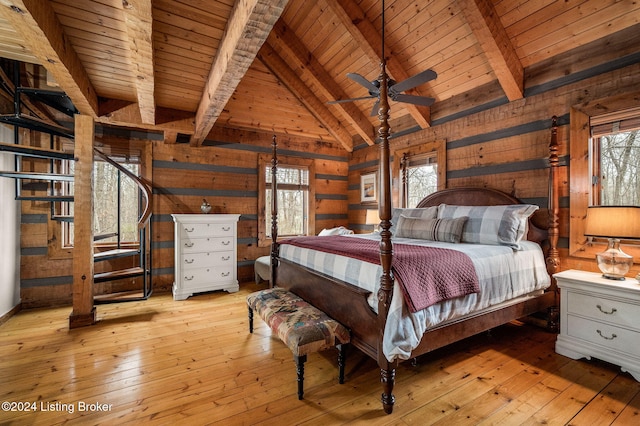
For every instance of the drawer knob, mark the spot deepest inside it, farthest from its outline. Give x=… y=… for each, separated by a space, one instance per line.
x=225 y=274
x=613 y=336
x=612 y=311
x=189 y=261
x=188 y=244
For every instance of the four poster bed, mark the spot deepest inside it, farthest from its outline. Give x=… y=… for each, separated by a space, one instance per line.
x=374 y=300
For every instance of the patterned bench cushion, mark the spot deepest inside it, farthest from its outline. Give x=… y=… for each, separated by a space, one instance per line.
x=302 y=327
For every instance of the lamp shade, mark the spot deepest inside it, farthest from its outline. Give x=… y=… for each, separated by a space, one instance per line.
x=372 y=217
x=622 y=222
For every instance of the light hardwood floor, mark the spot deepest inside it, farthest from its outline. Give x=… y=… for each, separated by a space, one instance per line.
x=194 y=362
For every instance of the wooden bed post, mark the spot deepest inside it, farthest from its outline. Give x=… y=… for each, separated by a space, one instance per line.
x=553 y=256
x=385 y=293
x=274 y=211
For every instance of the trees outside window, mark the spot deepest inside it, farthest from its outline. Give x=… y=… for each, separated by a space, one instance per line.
x=113 y=192
x=616 y=177
x=296 y=197
x=293 y=200
x=419 y=177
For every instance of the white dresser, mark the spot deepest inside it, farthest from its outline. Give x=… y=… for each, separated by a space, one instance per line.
x=205 y=253
x=600 y=317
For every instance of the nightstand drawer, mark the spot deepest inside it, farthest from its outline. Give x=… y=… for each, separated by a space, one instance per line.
x=606 y=335
x=602 y=309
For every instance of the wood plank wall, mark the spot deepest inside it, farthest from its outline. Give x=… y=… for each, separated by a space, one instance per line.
x=497 y=144
x=506 y=146
x=224 y=171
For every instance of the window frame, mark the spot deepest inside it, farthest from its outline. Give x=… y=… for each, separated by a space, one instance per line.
x=144 y=151
x=65 y=229
x=436 y=148
x=580 y=177
x=264 y=165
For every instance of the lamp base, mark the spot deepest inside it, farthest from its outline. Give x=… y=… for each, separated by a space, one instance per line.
x=613 y=262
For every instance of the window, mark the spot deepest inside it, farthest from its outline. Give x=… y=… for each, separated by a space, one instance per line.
x=296 y=198
x=293 y=200
x=615 y=159
x=597 y=147
x=419 y=177
x=419 y=171
x=113 y=192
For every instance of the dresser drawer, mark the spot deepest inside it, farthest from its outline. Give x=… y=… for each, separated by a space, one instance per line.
x=602 y=309
x=602 y=334
x=196 y=230
x=211 y=258
x=207 y=275
x=193 y=245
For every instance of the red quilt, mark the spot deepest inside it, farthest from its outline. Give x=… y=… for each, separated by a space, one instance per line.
x=426 y=275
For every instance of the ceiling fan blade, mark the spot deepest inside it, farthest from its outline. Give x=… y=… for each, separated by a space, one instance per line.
x=374 y=110
x=363 y=81
x=411 y=99
x=414 y=81
x=342 y=101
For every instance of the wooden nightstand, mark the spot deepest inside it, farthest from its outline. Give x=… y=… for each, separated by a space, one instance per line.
x=600 y=318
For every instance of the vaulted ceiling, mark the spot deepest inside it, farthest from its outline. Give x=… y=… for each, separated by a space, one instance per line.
x=189 y=66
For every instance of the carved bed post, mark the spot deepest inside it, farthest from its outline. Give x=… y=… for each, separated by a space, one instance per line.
x=553 y=257
x=387 y=369
x=274 y=211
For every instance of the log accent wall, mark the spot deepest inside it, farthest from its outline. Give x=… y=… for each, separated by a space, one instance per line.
x=224 y=171
x=506 y=146
x=495 y=143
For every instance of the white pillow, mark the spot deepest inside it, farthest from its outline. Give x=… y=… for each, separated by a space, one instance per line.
x=340 y=230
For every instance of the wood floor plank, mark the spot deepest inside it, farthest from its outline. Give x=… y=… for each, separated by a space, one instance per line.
x=169 y=362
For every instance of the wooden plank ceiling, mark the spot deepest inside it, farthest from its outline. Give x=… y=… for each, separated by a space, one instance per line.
x=185 y=66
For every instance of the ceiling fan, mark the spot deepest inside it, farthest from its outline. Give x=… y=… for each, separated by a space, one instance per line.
x=393 y=88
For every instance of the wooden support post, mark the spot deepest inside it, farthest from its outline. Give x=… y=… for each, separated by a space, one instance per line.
x=84 y=312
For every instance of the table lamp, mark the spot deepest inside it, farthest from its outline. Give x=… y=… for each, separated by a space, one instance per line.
x=615 y=223
x=372 y=218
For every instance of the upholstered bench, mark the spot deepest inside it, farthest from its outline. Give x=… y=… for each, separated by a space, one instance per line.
x=302 y=327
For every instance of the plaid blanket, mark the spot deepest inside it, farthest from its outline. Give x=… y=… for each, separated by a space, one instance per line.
x=426 y=275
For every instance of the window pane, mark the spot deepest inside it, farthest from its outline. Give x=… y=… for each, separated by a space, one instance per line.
x=421 y=181
x=293 y=190
x=107 y=179
x=619 y=169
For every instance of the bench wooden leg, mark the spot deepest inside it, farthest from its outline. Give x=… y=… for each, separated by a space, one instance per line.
x=250 y=320
x=300 y=360
x=342 y=356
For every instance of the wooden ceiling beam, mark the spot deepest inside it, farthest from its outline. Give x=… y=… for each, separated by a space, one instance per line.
x=37 y=24
x=307 y=66
x=301 y=91
x=496 y=45
x=370 y=41
x=138 y=17
x=247 y=29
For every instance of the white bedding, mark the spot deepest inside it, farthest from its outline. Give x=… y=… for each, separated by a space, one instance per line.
x=503 y=274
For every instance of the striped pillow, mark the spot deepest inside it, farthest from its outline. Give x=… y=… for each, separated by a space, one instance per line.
x=496 y=225
x=422 y=213
x=445 y=230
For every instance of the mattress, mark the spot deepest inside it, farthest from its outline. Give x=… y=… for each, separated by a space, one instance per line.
x=503 y=274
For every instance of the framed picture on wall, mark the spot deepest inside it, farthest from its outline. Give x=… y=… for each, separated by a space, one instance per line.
x=368 y=188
